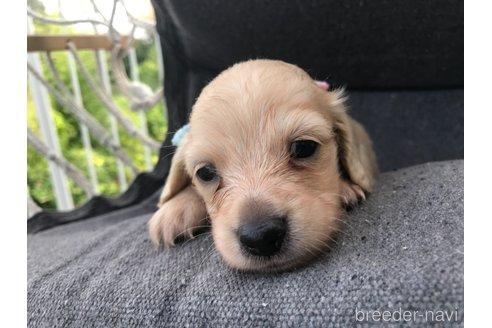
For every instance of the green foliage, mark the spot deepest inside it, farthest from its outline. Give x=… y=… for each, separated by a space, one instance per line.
x=36 y=5
x=69 y=132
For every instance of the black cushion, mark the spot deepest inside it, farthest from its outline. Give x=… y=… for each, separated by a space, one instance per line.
x=392 y=47
x=411 y=127
x=360 y=43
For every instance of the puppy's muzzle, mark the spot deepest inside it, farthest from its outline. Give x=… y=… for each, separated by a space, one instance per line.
x=263 y=237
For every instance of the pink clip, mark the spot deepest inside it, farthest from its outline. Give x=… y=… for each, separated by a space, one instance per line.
x=322 y=84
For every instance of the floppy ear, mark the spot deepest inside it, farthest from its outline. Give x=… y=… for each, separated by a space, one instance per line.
x=356 y=158
x=178 y=178
x=181 y=209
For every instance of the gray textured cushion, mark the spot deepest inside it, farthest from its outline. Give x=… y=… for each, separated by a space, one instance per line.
x=402 y=249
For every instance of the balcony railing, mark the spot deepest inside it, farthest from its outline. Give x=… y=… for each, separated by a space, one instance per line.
x=111 y=51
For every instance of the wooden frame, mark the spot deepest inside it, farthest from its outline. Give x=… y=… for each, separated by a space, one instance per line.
x=59 y=42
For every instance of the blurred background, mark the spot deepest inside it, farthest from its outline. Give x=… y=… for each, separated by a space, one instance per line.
x=69 y=161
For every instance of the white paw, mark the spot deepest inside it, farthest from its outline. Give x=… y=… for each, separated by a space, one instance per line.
x=178 y=217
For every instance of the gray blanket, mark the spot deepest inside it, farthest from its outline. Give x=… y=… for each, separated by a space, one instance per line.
x=399 y=256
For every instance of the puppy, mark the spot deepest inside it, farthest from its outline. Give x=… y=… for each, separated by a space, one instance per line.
x=270 y=160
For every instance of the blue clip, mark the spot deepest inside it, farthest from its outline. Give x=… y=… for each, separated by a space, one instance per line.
x=180 y=134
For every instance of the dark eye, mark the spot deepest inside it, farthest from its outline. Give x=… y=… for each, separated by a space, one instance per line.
x=206 y=173
x=303 y=148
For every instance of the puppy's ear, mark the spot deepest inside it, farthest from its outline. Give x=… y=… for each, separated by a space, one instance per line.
x=356 y=158
x=178 y=178
x=181 y=208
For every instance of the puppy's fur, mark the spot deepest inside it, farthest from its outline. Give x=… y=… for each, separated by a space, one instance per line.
x=243 y=123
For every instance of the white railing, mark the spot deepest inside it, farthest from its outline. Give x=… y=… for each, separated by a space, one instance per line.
x=48 y=144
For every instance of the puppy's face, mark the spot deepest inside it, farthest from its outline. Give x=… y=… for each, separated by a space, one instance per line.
x=265 y=154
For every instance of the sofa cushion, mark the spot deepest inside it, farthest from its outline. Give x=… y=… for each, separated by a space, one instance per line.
x=362 y=44
x=401 y=250
x=402 y=61
x=411 y=127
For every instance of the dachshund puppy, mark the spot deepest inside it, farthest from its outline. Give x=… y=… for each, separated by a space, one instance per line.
x=271 y=160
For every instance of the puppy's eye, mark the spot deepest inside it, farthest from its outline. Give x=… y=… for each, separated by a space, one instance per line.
x=303 y=149
x=206 y=173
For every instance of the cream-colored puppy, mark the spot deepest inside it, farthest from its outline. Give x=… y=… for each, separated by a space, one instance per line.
x=271 y=160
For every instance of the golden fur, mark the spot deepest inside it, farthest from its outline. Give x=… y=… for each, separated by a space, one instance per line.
x=243 y=123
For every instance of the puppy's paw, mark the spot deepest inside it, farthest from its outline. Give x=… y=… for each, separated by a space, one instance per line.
x=351 y=194
x=178 y=217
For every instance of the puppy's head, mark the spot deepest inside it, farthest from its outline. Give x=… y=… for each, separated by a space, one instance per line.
x=275 y=159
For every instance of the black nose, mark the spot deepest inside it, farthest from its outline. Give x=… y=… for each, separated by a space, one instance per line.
x=263 y=237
